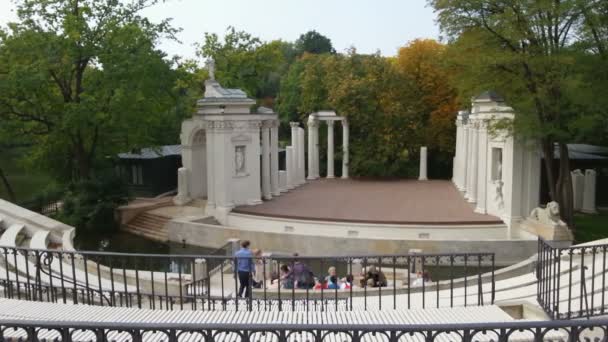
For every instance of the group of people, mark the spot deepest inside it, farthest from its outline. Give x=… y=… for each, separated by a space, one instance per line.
x=295 y=275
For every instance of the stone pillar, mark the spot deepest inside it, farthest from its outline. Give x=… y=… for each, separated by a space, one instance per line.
x=182 y=197
x=482 y=169
x=311 y=148
x=316 y=151
x=301 y=156
x=469 y=160
x=589 y=194
x=283 y=181
x=578 y=189
x=423 y=164
x=457 y=154
x=210 y=171
x=295 y=147
x=289 y=165
x=266 y=160
x=274 y=159
x=345 y=152
x=464 y=160
x=330 y=149
x=474 y=162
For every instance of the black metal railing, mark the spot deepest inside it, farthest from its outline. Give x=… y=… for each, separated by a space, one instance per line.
x=571 y=330
x=572 y=280
x=212 y=282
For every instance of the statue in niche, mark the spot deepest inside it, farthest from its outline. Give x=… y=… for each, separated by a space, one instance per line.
x=500 y=204
x=499 y=169
x=239 y=160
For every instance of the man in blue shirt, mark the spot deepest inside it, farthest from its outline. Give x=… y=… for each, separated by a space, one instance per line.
x=244 y=267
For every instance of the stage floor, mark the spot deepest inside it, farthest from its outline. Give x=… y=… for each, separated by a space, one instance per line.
x=435 y=202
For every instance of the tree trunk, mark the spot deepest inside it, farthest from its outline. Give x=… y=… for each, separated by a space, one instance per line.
x=7 y=185
x=564 y=187
x=82 y=163
x=548 y=157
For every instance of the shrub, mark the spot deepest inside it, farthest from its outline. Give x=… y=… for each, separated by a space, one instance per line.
x=89 y=204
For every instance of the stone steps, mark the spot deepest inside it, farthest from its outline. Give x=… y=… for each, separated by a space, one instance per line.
x=151 y=226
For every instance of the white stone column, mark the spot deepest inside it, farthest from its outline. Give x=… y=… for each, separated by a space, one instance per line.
x=464 y=159
x=274 y=159
x=301 y=156
x=589 y=194
x=289 y=165
x=455 y=160
x=283 y=180
x=474 y=163
x=266 y=160
x=330 y=149
x=345 y=152
x=578 y=188
x=482 y=169
x=211 y=186
x=183 y=196
x=469 y=188
x=311 y=147
x=294 y=160
x=316 y=151
x=423 y=164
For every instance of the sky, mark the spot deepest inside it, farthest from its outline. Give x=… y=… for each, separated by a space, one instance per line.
x=368 y=25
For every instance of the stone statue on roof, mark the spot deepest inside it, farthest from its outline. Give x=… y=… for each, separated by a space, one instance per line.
x=210 y=64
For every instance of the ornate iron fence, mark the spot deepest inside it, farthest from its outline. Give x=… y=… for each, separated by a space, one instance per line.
x=572 y=280
x=211 y=282
x=571 y=330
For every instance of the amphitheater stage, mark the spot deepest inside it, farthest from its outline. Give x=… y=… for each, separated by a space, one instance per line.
x=341 y=217
x=401 y=202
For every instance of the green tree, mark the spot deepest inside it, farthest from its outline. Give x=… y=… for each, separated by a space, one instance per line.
x=82 y=80
x=525 y=50
x=314 y=42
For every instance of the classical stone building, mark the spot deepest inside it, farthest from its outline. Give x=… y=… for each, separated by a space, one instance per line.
x=229 y=154
x=496 y=172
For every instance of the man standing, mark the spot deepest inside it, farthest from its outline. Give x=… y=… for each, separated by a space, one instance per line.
x=244 y=267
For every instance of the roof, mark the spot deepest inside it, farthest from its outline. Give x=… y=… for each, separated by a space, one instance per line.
x=585 y=148
x=325 y=113
x=159 y=152
x=153 y=152
x=490 y=96
x=584 y=152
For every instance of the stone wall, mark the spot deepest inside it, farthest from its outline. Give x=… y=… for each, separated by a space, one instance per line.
x=195 y=233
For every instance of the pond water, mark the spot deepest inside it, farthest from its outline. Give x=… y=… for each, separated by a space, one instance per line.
x=122 y=242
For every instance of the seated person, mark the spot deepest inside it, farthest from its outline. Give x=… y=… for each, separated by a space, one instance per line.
x=302 y=276
x=331 y=272
x=347 y=282
x=285 y=280
x=374 y=278
x=332 y=283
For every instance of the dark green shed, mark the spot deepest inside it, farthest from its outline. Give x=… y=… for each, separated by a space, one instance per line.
x=150 y=171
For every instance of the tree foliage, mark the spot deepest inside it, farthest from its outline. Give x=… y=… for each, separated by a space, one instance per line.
x=244 y=61
x=384 y=100
x=83 y=80
x=313 y=42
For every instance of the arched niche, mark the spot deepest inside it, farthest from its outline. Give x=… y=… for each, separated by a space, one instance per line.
x=194 y=158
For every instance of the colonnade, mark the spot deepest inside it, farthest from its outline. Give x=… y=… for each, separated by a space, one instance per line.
x=295 y=164
x=314 y=121
x=498 y=174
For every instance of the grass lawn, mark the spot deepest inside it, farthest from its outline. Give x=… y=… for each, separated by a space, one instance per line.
x=591 y=227
x=26 y=182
